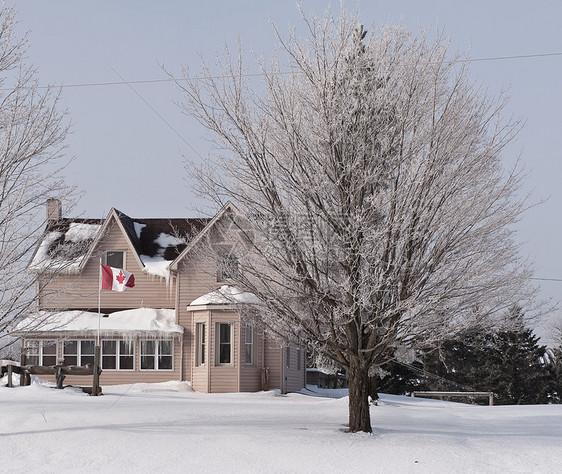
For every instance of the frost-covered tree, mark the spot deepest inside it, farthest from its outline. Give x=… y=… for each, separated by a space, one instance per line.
x=32 y=132
x=369 y=168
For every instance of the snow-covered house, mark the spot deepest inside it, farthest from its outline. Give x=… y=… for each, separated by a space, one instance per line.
x=179 y=322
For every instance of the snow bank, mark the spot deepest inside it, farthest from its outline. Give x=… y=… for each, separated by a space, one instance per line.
x=168 y=428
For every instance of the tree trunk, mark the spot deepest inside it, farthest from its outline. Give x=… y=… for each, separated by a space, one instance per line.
x=359 y=414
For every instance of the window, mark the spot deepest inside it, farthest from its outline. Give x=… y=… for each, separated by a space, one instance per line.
x=299 y=357
x=227 y=268
x=40 y=352
x=249 y=345
x=288 y=355
x=117 y=355
x=157 y=355
x=200 y=344
x=78 y=352
x=224 y=343
x=115 y=258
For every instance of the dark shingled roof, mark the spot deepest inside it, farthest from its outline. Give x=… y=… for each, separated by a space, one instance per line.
x=183 y=229
x=63 y=247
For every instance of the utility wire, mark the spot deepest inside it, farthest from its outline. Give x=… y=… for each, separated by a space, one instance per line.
x=160 y=116
x=423 y=372
x=279 y=73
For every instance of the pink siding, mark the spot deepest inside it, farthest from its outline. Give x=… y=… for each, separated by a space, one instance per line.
x=81 y=291
x=224 y=378
x=200 y=374
x=250 y=374
x=195 y=278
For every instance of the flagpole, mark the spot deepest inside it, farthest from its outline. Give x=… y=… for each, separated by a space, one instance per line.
x=97 y=350
x=99 y=303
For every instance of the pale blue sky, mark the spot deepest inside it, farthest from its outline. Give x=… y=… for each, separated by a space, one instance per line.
x=127 y=157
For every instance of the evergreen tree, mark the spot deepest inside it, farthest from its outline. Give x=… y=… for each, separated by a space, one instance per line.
x=513 y=368
x=400 y=379
x=509 y=363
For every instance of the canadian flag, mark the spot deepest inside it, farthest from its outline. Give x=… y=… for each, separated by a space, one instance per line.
x=116 y=279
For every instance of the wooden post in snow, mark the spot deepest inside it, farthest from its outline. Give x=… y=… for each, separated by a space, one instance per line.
x=96 y=384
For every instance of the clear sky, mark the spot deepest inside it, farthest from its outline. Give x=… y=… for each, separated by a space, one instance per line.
x=128 y=157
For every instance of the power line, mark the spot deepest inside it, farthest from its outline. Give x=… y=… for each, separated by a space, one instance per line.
x=158 y=114
x=197 y=78
x=546 y=279
x=502 y=58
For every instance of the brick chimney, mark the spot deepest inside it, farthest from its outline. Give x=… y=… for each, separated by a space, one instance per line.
x=54 y=210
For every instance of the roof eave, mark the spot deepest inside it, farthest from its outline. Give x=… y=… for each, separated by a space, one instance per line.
x=228 y=206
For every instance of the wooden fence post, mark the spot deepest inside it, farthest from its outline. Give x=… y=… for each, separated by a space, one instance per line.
x=96 y=383
x=10 y=375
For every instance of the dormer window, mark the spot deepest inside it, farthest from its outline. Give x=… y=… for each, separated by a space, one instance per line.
x=115 y=258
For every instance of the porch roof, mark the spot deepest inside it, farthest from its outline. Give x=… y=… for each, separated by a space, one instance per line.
x=145 y=322
x=226 y=294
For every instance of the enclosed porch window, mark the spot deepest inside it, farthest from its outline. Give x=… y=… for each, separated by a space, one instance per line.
x=79 y=352
x=117 y=355
x=157 y=355
x=40 y=352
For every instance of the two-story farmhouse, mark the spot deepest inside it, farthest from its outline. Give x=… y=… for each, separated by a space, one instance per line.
x=179 y=321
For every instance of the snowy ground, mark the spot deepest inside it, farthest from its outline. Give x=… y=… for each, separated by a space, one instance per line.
x=168 y=428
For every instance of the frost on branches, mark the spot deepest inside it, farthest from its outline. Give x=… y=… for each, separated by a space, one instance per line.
x=369 y=169
x=32 y=132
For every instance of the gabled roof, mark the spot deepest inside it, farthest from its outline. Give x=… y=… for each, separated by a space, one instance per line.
x=68 y=244
x=64 y=245
x=228 y=207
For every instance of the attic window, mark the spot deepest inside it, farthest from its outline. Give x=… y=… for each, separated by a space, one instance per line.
x=227 y=268
x=115 y=258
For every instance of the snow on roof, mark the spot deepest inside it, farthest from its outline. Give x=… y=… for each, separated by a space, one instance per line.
x=157 y=264
x=138 y=228
x=226 y=294
x=80 y=231
x=167 y=240
x=64 y=247
x=141 y=321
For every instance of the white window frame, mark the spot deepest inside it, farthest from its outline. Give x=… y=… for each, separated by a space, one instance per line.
x=200 y=344
x=157 y=354
x=79 y=355
x=39 y=351
x=124 y=259
x=249 y=345
x=219 y=343
x=118 y=354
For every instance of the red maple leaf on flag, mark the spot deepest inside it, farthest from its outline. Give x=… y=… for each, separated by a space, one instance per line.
x=120 y=278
